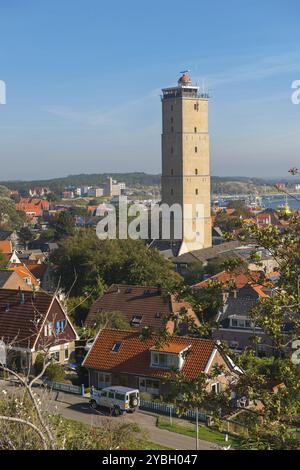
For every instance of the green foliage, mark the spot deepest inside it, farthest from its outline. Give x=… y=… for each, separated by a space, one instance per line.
x=63 y=224
x=4 y=192
x=97 y=262
x=25 y=235
x=114 y=319
x=194 y=273
x=10 y=218
x=55 y=372
x=3 y=261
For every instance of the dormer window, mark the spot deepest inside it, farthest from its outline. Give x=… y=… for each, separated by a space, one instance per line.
x=116 y=347
x=165 y=360
x=136 y=320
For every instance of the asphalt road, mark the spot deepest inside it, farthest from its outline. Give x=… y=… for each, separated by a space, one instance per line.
x=78 y=409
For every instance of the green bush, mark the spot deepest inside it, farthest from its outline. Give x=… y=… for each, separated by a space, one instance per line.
x=146 y=396
x=55 y=372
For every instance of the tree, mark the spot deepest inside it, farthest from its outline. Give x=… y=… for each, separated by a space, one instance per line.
x=3 y=261
x=4 y=192
x=63 y=225
x=84 y=262
x=26 y=236
x=194 y=273
x=10 y=218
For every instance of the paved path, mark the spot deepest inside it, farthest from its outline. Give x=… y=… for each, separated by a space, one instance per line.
x=78 y=409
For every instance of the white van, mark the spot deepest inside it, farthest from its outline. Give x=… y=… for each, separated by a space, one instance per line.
x=117 y=398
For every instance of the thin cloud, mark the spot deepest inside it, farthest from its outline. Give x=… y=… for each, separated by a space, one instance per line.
x=256 y=70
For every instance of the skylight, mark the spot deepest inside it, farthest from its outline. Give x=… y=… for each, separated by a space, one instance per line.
x=116 y=347
x=136 y=320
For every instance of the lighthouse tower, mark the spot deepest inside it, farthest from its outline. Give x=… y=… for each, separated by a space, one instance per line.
x=185 y=161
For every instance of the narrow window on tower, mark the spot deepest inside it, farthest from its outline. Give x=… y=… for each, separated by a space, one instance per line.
x=172 y=150
x=195 y=130
x=171 y=191
x=196 y=149
x=196 y=171
x=196 y=107
x=172 y=172
x=196 y=192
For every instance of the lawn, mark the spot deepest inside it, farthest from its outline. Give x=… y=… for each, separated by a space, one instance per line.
x=205 y=433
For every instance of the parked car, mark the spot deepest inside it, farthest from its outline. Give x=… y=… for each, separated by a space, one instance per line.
x=117 y=398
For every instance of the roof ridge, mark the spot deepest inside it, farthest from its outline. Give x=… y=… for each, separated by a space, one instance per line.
x=137 y=285
x=139 y=332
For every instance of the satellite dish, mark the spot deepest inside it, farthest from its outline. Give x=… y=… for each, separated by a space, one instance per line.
x=2 y=353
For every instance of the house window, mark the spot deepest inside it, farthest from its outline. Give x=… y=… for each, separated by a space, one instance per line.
x=196 y=171
x=196 y=107
x=196 y=191
x=66 y=353
x=196 y=149
x=215 y=388
x=60 y=326
x=149 y=386
x=167 y=361
x=234 y=322
x=48 y=329
x=247 y=323
x=104 y=380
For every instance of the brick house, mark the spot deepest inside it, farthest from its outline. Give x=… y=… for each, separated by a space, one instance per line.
x=120 y=357
x=31 y=323
x=141 y=306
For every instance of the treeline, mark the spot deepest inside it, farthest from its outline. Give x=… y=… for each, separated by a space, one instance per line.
x=58 y=184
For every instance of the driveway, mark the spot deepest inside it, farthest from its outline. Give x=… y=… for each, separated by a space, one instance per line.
x=78 y=409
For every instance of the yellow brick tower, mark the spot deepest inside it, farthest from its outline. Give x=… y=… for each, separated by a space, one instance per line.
x=185 y=160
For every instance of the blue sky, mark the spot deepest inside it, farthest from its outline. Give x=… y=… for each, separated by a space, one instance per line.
x=83 y=82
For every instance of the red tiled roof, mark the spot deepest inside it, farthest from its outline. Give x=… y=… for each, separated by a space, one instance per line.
x=19 y=322
x=240 y=279
x=5 y=246
x=33 y=206
x=24 y=272
x=134 y=355
x=150 y=302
